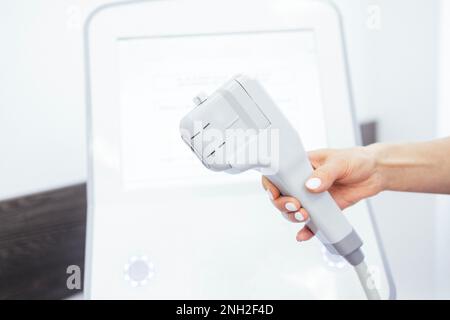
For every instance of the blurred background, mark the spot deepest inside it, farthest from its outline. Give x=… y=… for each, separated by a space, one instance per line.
x=399 y=56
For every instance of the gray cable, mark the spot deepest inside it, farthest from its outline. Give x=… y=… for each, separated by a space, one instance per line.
x=367 y=282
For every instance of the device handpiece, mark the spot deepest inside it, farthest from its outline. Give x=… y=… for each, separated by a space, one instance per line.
x=239 y=127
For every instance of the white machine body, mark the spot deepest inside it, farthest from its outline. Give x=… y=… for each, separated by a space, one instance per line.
x=239 y=127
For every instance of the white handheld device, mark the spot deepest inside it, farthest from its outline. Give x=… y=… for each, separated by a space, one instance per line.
x=238 y=128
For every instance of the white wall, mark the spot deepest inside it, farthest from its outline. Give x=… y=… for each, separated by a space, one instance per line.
x=42 y=113
x=393 y=66
x=41 y=98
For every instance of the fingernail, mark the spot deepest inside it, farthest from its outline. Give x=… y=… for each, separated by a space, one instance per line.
x=269 y=194
x=299 y=217
x=313 y=183
x=290 y=206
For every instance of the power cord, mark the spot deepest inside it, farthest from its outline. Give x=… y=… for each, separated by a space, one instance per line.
x=367 y=282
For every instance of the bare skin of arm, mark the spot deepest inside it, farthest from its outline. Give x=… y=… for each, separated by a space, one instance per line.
x=361 y=172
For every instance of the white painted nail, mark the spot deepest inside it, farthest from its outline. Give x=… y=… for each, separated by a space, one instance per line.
x=269 y=194
x=290 y=206
x=299 y=217
x=313 y=183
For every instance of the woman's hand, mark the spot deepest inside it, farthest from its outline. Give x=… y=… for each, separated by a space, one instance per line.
x=348 y=174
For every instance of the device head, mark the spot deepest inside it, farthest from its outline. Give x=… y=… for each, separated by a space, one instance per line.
x=227 y=130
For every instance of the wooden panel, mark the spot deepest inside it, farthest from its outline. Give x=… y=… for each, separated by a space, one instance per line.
x=40 y=236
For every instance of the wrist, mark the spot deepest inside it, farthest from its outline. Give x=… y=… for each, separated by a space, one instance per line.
x=393 y=164
x=378 y=154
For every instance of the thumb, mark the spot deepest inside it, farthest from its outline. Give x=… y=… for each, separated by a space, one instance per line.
x=324 y=176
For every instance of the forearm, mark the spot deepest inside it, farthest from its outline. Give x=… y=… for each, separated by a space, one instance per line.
x=416 y=167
